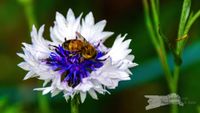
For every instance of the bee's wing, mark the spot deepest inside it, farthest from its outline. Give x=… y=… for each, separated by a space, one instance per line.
x=79 y=36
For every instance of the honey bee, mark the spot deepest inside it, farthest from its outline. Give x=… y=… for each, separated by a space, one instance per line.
x=80 y=45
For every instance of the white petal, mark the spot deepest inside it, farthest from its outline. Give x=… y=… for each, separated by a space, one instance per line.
x=119 y=50
x=29 y=75
x=41 y=30
x=100 y=25
x=83 y=96
x=21 y=55
x=130 y=57
x=65 y=28
x=66 y=98
x=45 y=90
x=24 y=65
x=46 y=82
x=60 y=19
x=89 y=19
x=34 y=31
x=70 y=15
x=84 y=86
x=54 y=38
x=105 y=35
x=93 y=94
x=55 y=92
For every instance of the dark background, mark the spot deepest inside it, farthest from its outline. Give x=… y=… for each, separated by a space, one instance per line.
x=123 y=16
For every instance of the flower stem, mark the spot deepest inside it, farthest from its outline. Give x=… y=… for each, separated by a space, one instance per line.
x=29 y=12
x=75 y=105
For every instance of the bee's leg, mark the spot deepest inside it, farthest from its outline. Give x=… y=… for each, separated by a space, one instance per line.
x=98 y=44
x=78 y=35
x=65 y=39
x=81 y=59
x=52 y=47
x=103 y=59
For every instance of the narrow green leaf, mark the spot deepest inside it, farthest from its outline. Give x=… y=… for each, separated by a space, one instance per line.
x=183 y=20
x=149 y=24
x=191 y=21
x=184 y=16
x=154 y=6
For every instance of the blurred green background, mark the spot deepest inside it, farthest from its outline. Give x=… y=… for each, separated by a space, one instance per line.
x=123 y=16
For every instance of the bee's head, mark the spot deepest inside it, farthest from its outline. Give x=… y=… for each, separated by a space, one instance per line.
x=65 y=44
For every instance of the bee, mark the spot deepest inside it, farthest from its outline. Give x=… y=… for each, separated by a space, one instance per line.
x=81 y=45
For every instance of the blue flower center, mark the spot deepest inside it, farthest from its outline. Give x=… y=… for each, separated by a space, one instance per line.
x=72 y=65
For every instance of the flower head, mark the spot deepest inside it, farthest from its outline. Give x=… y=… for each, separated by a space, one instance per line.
x=76 y=61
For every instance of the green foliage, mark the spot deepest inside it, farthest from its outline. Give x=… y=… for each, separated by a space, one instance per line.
x=184 y=26
x=186 y=21
x=13 y=108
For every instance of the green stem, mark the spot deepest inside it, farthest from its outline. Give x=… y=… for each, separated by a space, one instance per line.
x=182 y=25
x=174 y=108
x=29 y=12
x=154 y=7
x=149 y=25
x=43 y=103
x=74 y=105
x=176 y=77
x=174 y=88
x=164 y=63
x=157 y=39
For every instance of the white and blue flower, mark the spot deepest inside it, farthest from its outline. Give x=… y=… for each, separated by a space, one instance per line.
x=67 y=71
